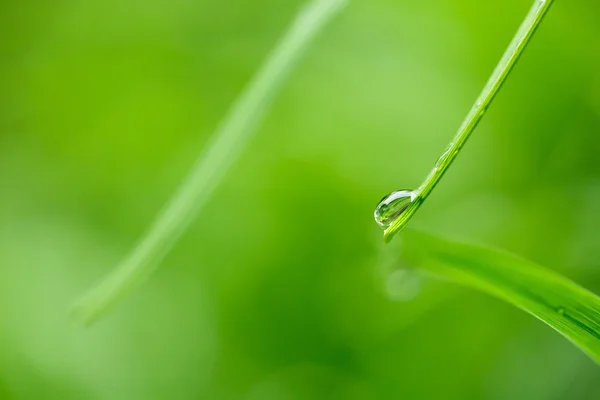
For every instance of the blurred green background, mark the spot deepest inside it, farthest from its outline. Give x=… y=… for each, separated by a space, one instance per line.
x=282 y=289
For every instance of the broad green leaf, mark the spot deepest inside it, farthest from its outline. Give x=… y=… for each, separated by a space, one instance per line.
x=562 y=304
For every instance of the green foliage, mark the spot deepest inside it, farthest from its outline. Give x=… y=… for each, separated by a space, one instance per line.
x=571 y=310
x=565 y=306
x=501 y=72
x=274 y=291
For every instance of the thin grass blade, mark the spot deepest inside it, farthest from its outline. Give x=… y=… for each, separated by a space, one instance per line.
x=225 y=147
x=501 y=72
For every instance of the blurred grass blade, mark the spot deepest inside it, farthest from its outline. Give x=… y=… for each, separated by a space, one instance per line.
x=219 y=155
x=567 y=307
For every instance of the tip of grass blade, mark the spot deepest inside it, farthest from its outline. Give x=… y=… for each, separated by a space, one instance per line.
x=88 y=309
x=113 y=288
x=388 y=235
x=393 y=229
x=400 y=222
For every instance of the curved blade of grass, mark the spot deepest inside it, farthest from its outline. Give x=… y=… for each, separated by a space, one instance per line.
x=210 y=168
x=503 y=69
x=565 y=306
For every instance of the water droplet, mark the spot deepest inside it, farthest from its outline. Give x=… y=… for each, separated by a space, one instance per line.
x=392 y=205
x=561 y=311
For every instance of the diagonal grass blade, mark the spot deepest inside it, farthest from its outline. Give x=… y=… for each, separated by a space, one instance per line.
x=225 y=147
x=562 y=304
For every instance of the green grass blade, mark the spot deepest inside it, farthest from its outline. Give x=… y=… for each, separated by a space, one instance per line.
x=220 y=154
x=565 y=306
x=501 y=72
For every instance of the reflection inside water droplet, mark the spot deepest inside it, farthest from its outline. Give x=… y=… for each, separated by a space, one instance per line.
x=392 y=205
